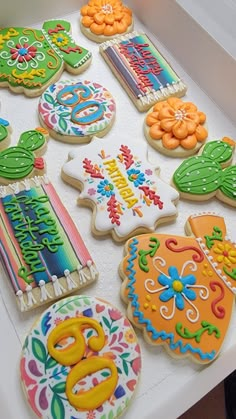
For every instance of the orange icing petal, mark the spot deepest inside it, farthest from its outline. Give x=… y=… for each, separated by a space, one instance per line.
x=189 y=107
x=118 y=15
x=97 y=29
x=191 y=126
x=180 y=130
x=156 y=132
x=193 y=116
x=87 y=21
x=127 y=19
x=169 y=141
x=151 y=118
x=174 y=102
x=127 y=10
x=110 y=30
x=201 y=133
x=229 y=141
x=99 y=18
x=166 y=112
x=202 y=117
x=109 y=19
x=84 y=10
x=122 y=26
x=167 y=124
x=189 y=142
x=92 y=11
x=158 y=106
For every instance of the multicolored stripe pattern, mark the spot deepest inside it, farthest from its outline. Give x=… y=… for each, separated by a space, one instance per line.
x=38 y=238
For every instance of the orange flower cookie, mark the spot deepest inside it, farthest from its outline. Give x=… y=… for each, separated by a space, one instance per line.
x=175 y=128
x=102 y=20
x=181 y=290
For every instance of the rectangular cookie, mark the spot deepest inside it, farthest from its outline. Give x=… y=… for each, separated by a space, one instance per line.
x=141 y=69
x=40 y=247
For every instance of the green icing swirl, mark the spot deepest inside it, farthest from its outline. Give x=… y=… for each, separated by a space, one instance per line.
x=3 y=133
x=228 y=187
x=31 y=140
x=16 y=163
x=218 y=151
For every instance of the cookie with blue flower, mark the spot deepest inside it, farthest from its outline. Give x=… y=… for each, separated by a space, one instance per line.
x=181 y=290
x=5 y=131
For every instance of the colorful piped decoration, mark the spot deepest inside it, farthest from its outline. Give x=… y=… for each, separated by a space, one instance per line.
x=181 y=290
x=22 y=160
x=85 y=343
x=209 y=174
x=32 y=58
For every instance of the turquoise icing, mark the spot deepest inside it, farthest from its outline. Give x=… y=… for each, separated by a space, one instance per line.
x=149 y=327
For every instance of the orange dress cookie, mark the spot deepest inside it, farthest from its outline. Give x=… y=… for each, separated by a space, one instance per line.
x=180 y=290
x=103 y=20
x=175 y=128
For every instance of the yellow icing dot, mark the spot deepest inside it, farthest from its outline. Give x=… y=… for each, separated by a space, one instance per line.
x=146 y=305
x=177 y=285
x=210 y=273
x=148 y=298
x=154 y=308
x=204 y=273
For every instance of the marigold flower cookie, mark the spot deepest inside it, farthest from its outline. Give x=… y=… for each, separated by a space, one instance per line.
x=121 y=186
x=5 y=131
x=209 y=174
x=175 y=128
x=181 y=290
x=41 y=249
x=32 y=59
x=104 y=20
x=86 y=344
x=75 y=111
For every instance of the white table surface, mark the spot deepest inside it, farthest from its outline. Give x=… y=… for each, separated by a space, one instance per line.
x=167 y=386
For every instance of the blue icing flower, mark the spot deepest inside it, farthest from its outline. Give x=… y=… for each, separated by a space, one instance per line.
x=119 y=392
x=88 y=312
x=105 y=188
x=177 y=287
x=136 y=177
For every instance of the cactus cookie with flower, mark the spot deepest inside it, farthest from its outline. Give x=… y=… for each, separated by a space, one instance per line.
x=209 y=174
x=24 y=159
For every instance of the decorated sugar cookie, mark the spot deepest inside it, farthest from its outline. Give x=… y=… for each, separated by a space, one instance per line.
x=141 y=69
x=40 y=247
x=80 y=360
x=5 y=131
x=74 y=112
x=104 y=20
x=121 y=186
x=181 y=290
x=175 y=128
x=202 y=177
x=31 y=59
x=21 y=161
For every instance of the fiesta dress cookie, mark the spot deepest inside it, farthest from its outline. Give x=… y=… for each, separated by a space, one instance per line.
x=5 y=131
x=104 y=20
x=74 y=112
x=142 y=70
x=80 y=360
x=206 y=176
x=22 y=160
x=41 y=249
x=175 y=128
x=31 y=59
x=121 y=186
x=181 y=290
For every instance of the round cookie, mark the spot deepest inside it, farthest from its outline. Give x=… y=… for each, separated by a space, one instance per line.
x=74 y=112
x=83 y=343
x=105 y=20
x=175 y=128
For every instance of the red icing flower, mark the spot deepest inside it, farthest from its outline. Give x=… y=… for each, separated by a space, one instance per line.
x=39 y=163
x=114 y=314
x=136 y=365
x=23 y=52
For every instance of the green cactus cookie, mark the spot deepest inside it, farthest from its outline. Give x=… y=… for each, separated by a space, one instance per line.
x=206 y=175
x=5 y=131
x=20 y=161
x=31 y=59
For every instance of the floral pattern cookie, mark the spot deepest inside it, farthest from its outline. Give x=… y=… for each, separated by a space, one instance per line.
x=31 y=59
x=181 y=290
x=85 y=343
x=121 y=186
x=103 y=20
x=74 y=112
x=175 y=128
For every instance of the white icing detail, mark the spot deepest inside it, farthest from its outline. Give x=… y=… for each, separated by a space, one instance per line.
x=83 y=277
x=164 y=309
x=3 y=191
x=20 y=296
x=15 y=187
x=203 y=293
x=192 y=266
x=44 y=292
x=37 y=180
x=152 y=283
x=92 y=269
x=30 y=298
x=26 y=184
x=70 y=283
x=190 y=312
x=162 y=262
x=58 y=288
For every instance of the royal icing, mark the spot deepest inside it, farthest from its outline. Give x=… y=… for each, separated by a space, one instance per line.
x=4 y=133
x=81 y=343
x=76 y=111
x=122 y=186
x=180 y=290
x=106 y=19
x=40 y=246
x=175 y=127
x=20 y=161
x=31 y=58
x=142 y=70
x=203 y=175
